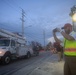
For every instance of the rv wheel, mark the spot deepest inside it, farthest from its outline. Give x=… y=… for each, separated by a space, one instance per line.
x=28 y=55
x=6 y=59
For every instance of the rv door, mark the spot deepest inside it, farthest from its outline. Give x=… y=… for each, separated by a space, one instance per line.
x=12 y=46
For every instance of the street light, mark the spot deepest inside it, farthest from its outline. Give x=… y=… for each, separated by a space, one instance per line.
x=73 y=15
x=28 y=26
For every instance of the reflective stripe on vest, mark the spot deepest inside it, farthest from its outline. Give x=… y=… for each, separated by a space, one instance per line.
x=69 y=47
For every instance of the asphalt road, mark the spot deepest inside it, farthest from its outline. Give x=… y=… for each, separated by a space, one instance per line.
x=28 y=64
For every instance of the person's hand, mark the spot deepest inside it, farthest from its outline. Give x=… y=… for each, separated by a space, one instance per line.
x=54 y=30
x=58 y=30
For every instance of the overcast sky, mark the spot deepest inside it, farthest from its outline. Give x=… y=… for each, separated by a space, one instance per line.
x=42 y=15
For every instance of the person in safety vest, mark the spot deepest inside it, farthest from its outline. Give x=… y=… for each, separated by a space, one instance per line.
x=69 y=48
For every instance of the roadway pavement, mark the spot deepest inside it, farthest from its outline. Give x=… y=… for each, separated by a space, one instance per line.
x=48 y=66
x=52 y=67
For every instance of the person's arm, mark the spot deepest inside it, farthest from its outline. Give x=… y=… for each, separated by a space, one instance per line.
x=67 y=36
x=55 y=37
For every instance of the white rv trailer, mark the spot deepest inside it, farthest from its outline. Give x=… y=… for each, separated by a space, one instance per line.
x=12 y=46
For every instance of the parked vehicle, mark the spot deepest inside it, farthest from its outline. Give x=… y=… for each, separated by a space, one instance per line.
x=36 y=50
x=13 y=46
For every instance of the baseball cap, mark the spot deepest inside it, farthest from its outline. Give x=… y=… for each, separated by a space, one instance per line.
x=66 y=25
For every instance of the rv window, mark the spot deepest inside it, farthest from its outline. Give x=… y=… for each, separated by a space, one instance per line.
x=12 y=43
x=22 y=45
x=4 y=42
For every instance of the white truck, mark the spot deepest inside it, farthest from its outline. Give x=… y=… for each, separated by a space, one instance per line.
x=13 y=46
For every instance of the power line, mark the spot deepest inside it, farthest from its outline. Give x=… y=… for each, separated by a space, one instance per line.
x=35 y=33
x=34 y=36
x=11 y=6
x=16 y=4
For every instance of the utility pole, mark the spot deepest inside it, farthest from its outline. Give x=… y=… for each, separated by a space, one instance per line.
x=22 y=19
x=44 y=38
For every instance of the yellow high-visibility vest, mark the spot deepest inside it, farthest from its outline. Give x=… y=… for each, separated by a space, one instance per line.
x=69 y=47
